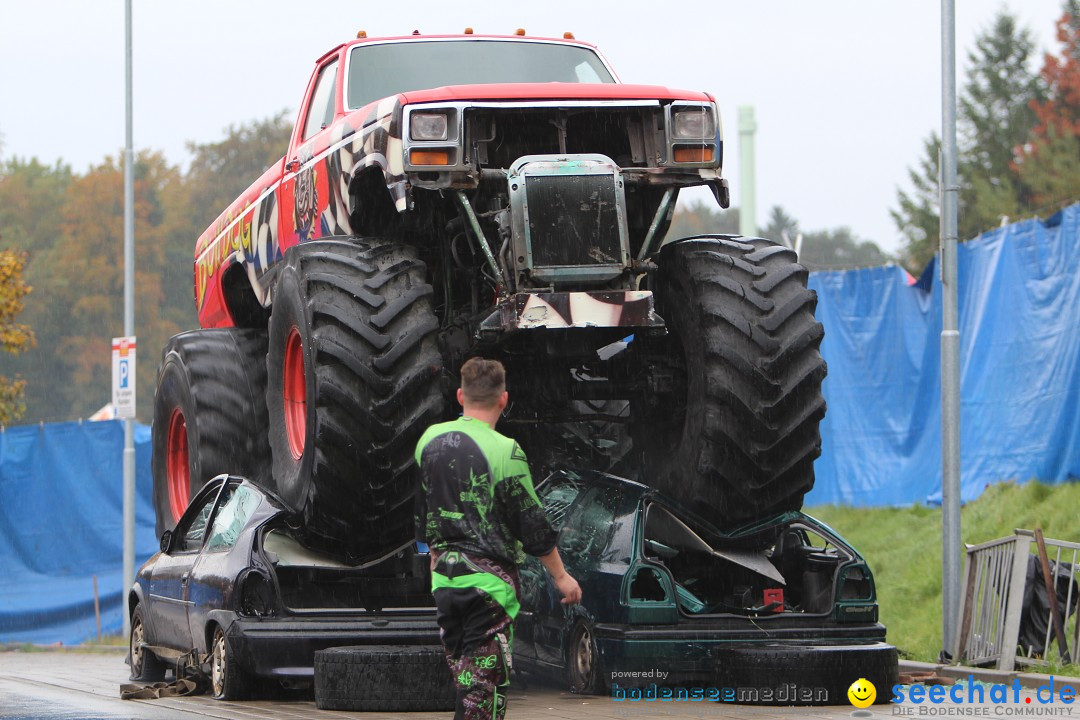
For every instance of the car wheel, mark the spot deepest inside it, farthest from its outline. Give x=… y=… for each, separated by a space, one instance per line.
x=741 y=432
x=351 y=367
x=145 y=665
x=583 y=662
x=383 y=678
x=209 y=415
x=825 y=672
x=228 y=681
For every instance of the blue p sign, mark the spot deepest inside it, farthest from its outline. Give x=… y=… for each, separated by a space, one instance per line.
x=124 y=373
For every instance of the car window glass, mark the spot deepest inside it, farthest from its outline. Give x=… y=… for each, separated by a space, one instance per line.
x=321 y=109
x=231 y=518
x=588 y=525
x=557 y=497
x=191 y=535
x=382 y=70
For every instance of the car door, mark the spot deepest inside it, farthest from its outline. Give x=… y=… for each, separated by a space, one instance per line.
x=168 y=597
x=557 y=495
x=211 y=584
x=305 y=186
x=584 y=536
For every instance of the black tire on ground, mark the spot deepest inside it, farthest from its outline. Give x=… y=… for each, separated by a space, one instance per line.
x=145 y=665
x=353 y=368
x=825 y=672
x=742 y=434
x=583 y=671
x=209 y=415
x=228 y=680
x=383 y=678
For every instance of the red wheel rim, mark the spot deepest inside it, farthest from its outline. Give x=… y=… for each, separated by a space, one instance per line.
x=177 y=466
x=295 y=395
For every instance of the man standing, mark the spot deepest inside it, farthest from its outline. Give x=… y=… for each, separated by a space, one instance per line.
x=479 y=514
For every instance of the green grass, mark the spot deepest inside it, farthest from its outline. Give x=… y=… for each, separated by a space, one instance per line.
x=108 y=644
x=903 y=549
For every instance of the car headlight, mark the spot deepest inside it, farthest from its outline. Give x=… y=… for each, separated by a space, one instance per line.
x=428 y=126
x=693 y=124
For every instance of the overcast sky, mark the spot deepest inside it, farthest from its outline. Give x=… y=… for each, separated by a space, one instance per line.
x=844 y=91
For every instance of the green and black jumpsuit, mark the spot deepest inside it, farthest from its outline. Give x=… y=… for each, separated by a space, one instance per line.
x=478 y=512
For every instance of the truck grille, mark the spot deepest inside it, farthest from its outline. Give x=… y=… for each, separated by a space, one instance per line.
x=573 y=220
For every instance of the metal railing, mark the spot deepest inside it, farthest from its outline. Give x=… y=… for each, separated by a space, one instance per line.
x=991 y=603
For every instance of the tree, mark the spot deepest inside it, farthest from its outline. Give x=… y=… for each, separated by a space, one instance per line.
x=917 y=218
x=702 y=218
x=220 y=171
x=839 y=249
x=72 y=227
x=995 y=117
x=1049 y=163
x=15 y=337
x=782 y=228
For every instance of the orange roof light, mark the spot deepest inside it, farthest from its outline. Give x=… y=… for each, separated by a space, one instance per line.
x=568 y=36
x=468 y=31
x=361 y=34
x=429 y=157
x=693 y=154
x=519 y=31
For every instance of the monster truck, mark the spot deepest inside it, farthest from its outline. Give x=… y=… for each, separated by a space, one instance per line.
x=507 y=196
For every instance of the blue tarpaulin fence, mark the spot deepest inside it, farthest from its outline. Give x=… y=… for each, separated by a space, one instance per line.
x=61 y=523
x=1019 y=292
x=61 y=485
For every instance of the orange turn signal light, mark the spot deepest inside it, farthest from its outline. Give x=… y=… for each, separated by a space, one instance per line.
x=430 y=157
x=697 y=154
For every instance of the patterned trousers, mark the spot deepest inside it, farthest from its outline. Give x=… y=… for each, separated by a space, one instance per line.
x=477 y=631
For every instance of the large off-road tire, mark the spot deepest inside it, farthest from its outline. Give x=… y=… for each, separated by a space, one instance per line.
x=353 y=368
x=383 y=678
x=209 y=415
x=742 y=433
x=825 y=672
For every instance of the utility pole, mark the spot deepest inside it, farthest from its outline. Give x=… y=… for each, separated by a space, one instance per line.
x=950 y=338
x=747 y=201
x=129 y=326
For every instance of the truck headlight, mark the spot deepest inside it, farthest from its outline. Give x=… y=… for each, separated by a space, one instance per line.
x=693 y=123
x=427 y=126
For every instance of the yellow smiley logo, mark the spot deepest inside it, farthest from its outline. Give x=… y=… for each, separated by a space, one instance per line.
x=862 y=693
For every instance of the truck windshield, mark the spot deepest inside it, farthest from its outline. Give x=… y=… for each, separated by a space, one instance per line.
x=381 y=70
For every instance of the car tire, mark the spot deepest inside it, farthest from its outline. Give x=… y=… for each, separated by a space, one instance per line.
x=741 y=435
x=145 y=665
x=583 y=671
x=352 y=362
x=832 y=669
x=383 y=678
x=209 y=415
x=228 y=681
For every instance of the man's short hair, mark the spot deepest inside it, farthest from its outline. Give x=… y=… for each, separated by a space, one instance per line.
x=483 y=381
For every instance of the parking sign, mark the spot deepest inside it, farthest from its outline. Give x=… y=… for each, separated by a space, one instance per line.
x=123 y=376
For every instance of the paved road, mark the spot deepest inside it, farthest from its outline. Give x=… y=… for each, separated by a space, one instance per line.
x=85 y=686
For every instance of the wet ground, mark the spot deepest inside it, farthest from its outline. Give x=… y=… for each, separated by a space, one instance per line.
x=85 y=686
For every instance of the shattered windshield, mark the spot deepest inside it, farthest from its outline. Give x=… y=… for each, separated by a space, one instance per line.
x=384 y=69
